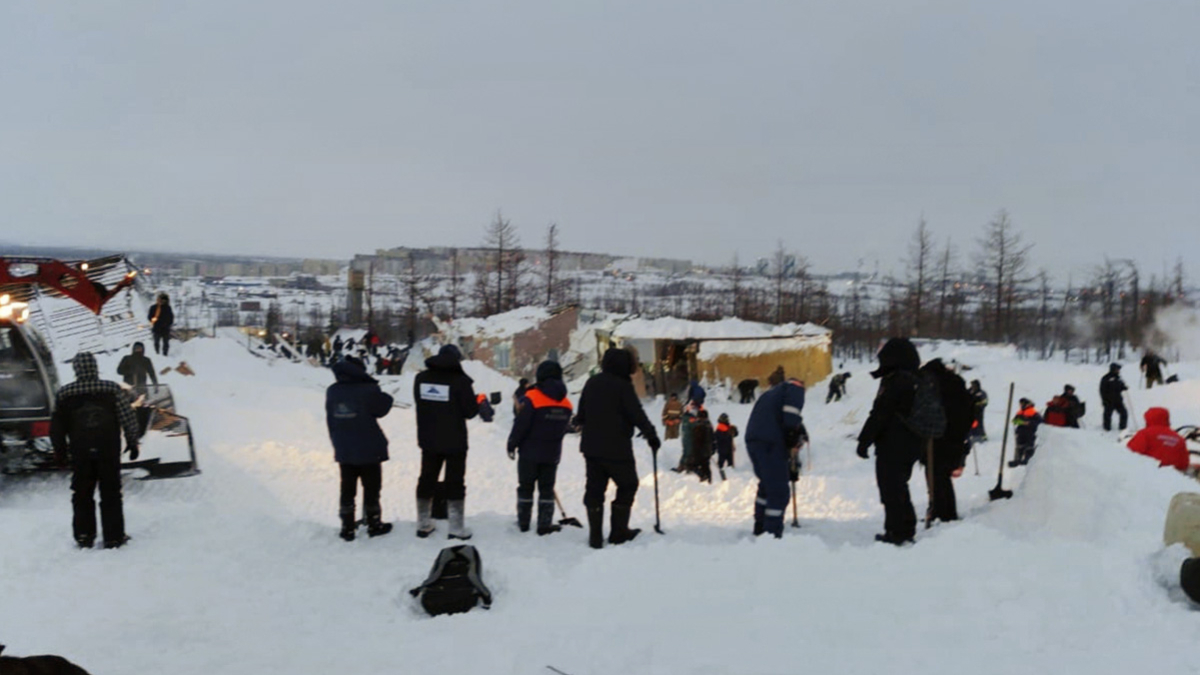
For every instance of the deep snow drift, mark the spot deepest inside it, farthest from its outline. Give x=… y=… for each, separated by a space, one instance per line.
x=239 y=570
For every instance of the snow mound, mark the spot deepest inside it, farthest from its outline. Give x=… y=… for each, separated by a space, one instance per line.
x=1088 y=488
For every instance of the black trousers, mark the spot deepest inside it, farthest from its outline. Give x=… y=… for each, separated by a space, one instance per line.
x=91 y=469
x=977 y=431
x=162 y=343
x=945 y=502
x=724 y=459
x=539 y=474
x=371 y=477
x=431 y=467
x=1119 y=408
x=892 y=473
x=600 y=471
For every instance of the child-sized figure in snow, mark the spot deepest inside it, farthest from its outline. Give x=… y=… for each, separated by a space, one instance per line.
x=1159 y=440
x=723 y=437
x=702 y=447
x=672 y=415
x=1025 y=424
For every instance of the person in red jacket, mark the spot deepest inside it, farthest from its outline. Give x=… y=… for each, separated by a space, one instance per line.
x=1159 y=440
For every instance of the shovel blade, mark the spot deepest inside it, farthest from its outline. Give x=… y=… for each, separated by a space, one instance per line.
x=571 y=522
x=998 y=493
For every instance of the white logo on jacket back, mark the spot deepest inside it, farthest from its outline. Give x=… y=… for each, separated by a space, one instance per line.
x=435 y=392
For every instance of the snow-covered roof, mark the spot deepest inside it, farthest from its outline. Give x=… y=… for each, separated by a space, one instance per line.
x=725 y=329
x=503 y=325
x=758 y=347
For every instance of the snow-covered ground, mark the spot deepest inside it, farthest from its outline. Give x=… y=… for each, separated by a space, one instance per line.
x=239 y=570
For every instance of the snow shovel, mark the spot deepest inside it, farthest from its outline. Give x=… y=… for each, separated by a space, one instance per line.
x=1132 y=411
x=999 y=492
x=657 y=520
x=566 y=520
x=795 y=471
x=929 y=481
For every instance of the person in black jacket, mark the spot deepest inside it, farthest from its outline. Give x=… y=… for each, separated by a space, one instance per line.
x=445 y=400
x=136 y=368
x=519 y=395
x=609 y=411
x=703 y=445
x=353 y=406
x=896 y=447
x=1152 y=365
x=90 y=415
x=978 y=434
x=161 y=320
x=1112 y=395
x=1075 y=407
x=949 y=451
x=542 y=420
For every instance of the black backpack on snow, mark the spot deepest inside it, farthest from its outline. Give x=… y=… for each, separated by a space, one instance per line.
x=455 y=583
x=927 y=418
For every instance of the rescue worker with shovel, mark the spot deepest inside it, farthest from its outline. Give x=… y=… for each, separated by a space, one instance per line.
x=544 y=414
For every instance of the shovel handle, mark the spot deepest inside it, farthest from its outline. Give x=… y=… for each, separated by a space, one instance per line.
x=1004 y=443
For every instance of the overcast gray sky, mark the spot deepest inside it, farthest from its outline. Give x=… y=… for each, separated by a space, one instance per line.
x=674 y=128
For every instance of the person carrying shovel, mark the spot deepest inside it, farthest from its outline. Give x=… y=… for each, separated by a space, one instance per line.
x=544 y=414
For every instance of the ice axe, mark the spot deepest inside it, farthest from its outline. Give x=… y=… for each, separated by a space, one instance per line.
x=999 y=492
x=566 y=520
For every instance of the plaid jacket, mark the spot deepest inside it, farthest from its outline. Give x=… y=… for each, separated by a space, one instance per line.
x=88 y=382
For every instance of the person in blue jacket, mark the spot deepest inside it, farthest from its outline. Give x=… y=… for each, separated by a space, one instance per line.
x=353 y=406
x=773 y=433
x=543 y=415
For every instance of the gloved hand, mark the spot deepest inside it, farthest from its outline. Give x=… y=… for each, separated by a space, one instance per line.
x=794 y=471
x=512 y=453
x=486 y=412
x=655 y=444
x=791 y=438
x=133 y=452
x=864 y=450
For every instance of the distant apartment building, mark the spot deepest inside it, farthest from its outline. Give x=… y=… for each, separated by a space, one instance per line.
x=442 y=261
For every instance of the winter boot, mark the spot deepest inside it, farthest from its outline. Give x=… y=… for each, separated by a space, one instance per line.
x=546 y=524
x=454 y=509
x=524 y=513
x=376 y=527
x=118 y=542
x=595 y=516
x=619 y=532
x=425 y=526
x=348 y=525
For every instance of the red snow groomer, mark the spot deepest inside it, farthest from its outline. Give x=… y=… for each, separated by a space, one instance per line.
x=29 y=375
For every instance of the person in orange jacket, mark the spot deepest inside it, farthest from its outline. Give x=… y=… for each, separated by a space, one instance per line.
x=1159 y=440
x=1026 y=423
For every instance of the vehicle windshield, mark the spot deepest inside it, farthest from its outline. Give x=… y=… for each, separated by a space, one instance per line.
x=22 y=389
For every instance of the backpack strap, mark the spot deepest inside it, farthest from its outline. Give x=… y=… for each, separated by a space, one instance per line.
x=473 y=574
x=439 y=566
